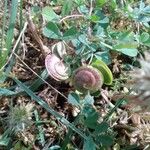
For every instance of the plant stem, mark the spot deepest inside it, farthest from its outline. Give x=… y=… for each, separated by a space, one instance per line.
x=71 y=16
x=108 y=46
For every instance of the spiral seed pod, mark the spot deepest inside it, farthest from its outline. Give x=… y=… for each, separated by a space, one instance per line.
x=87 y=78
x=56 y=68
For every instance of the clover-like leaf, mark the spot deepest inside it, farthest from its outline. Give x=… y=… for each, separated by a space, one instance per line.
x=74 y=99
x=48 y=14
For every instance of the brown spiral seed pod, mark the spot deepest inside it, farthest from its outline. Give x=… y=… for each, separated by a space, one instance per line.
x=87 y=78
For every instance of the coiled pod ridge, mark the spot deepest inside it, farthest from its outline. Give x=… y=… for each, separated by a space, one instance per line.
x=87 y=78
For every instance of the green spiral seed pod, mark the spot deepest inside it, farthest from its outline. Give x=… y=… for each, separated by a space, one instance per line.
x=106 y=72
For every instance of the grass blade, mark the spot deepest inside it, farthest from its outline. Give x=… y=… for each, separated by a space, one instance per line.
x=49 y=109
x=21 y=15
x=10 y=32
x=120 y=101
x=35 y=85
x=4 y=24
x=3 y=29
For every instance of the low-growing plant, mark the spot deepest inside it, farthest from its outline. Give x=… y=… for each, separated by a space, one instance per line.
x=87 y=41
x=19 y=118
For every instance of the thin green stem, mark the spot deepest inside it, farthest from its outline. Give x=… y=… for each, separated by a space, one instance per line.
x=106 y=45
